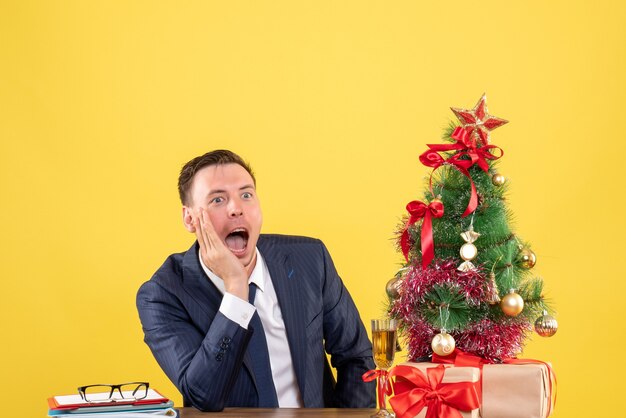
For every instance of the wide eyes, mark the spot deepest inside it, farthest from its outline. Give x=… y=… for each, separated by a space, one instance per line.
x=219 y=199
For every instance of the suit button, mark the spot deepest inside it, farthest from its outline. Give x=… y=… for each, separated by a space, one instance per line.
x=219 y=356
x=224 y=346
x=226 y=340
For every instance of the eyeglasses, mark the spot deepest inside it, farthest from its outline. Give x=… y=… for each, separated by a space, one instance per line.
x=132 y=391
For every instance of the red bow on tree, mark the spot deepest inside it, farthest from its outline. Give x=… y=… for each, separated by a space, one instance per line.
x=419 y=210
x=465 y=147
x=414 y=390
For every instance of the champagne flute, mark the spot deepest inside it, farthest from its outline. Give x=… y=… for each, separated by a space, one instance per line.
x=384 y=346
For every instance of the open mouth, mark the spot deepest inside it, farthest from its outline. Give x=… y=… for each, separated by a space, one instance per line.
x=237 y=241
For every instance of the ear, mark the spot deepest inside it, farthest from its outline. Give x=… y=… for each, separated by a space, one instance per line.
x=188 y=219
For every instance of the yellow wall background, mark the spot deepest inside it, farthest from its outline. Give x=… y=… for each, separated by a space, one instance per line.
x=101 y=102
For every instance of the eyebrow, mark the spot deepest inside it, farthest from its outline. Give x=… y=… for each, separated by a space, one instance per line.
x=244 y=187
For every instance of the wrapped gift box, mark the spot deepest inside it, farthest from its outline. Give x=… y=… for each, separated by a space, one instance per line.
x=452 y=375
x=508 y=390
x=516 y=391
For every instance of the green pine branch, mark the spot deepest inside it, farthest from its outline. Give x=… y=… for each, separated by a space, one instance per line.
x=445 y=307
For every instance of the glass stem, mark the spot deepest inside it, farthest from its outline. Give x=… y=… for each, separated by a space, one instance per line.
x=382 y=390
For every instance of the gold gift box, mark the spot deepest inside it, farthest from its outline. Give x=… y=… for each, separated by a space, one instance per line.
x=516 y=391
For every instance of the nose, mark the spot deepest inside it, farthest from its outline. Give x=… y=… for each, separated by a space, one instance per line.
x=234 y=209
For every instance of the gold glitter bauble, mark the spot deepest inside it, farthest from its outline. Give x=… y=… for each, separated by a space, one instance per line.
x=546 y=325
x=512 y=304
x=393 y=287
x=443 y=344
x=498 y=179
x=527 y=258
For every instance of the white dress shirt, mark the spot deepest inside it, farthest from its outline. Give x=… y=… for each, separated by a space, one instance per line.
x=266 y=303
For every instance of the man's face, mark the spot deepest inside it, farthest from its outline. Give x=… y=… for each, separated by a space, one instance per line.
x=228 y=194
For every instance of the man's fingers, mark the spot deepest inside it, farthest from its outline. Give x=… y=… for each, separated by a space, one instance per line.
x=200 y=233
x=209 y=231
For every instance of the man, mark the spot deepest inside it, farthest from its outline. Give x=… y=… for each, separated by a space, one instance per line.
x=244 y=319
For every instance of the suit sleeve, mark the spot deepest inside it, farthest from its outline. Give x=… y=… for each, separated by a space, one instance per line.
x=203 y=367
x=346 y=341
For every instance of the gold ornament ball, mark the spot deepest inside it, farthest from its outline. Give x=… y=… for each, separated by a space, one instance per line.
x=443 y=344
x=393 y=287
x=512 y=304
x=528 y=259
x=546 y=325
x=498 y=179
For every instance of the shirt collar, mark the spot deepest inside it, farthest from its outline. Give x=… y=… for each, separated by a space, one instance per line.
x=257 y=277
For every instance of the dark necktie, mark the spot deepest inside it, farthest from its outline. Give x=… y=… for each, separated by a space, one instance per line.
x=257 y=348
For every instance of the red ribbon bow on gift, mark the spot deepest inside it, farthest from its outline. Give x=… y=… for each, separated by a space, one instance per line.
x=419 y=210
x=414 y=391
x=460 y=359
x=466 y=147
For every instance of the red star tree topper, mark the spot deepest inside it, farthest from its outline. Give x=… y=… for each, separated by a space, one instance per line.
x=477 y=121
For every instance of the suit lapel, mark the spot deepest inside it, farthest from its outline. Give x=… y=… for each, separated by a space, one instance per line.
x=199 y=287
x=285 y=281
x=206 y=295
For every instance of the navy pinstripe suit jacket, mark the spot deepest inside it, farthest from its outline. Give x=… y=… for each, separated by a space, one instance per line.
x=204 y=353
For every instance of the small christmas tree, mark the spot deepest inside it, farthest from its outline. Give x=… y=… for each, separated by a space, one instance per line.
x=467 y=281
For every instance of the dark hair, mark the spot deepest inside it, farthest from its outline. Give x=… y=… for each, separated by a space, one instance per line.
x=217 y=157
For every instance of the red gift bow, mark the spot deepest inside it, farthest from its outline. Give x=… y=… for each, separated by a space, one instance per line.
x=466 y=147
x=415 y=390
x=460 y=359
x=419 y=210
x=384 y=389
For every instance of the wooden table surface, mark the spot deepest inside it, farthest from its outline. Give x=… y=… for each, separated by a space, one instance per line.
x=279 y=413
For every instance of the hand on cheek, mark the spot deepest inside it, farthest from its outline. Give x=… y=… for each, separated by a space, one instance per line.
x=217 y=257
